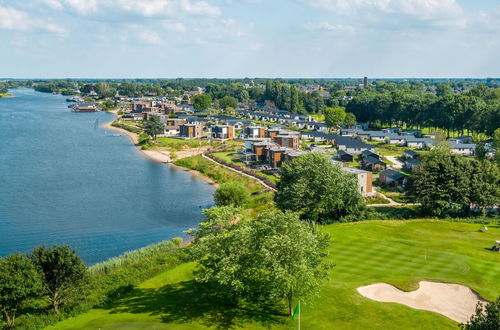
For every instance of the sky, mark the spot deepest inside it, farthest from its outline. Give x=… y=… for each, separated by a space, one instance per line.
x=249 y=38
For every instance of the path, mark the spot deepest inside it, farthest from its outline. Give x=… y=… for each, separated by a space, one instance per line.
x=240 y=172
x=396 y=163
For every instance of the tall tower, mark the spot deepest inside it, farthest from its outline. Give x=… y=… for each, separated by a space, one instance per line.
x=365 y=82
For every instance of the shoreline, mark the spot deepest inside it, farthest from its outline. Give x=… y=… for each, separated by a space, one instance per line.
x=156 y=155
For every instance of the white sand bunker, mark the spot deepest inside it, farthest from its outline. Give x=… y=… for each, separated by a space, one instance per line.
x=455 y=301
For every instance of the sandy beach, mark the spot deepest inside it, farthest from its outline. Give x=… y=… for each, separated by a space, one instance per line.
x=162 y=156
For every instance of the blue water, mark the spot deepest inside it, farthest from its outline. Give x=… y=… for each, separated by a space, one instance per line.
x=63 y=181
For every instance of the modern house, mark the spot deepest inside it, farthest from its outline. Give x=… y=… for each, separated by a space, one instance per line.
x=411 y=163
x=411 y=154
x=392 y=178
x=222 y=132
x=255 y=132
x=344 y=156
x=465 y=149
x=276 y=156
x=373 y=163
x=172 y=125
x=352 y=146
x=259 y=149
x=290 y=141
x=191 y=131
x=364 y=180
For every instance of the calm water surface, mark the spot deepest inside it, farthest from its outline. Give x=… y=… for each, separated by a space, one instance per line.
x=62 y=180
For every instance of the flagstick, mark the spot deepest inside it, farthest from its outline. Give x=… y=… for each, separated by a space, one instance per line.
x=299 y=314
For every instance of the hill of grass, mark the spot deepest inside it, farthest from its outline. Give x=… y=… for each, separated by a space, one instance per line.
x=397 y=252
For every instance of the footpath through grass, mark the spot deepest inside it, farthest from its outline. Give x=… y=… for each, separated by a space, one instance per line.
x=397 y=252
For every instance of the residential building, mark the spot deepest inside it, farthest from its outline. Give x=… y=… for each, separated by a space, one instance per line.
x=411 y=163
x=364 y=180
x=222 y=132
x=373 y=164
x=191 y=130
x=276 y=156
x=259 y=149
x=411 y=154
x=290 y=141
x=345 y=156
x=392 y=178
x=462 y=148
x=353 y=146
x=255 y=132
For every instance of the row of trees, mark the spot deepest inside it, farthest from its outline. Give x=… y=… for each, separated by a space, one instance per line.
x=56 y=274
x=477 y=110
x=449 y=184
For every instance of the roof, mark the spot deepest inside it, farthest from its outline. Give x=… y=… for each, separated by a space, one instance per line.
x=395 y=175
x=372 y=160
x=343 y=153
x=412 y=161
x=369 y=153
x=455 y=145
x=411 y=152
x=354 y=170
x=349 y=142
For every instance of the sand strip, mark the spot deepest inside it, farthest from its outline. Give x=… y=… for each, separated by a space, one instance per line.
x=458 y=302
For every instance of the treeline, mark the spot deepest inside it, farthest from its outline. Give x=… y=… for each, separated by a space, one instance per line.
x=476 y=110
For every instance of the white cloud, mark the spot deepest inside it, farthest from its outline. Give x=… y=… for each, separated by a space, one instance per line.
x=149 y=36
x=146 y=8
x=420 y=9
x=14 y=19
x=175 y=27
x=325 y=26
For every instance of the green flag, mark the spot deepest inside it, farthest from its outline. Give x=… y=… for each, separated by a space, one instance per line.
x=296 y=311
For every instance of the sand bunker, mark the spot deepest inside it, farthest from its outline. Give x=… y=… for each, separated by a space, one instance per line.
x=455 y=301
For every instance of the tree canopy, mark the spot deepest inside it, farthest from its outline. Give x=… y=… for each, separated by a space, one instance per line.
x=201 y=102
x=153 y=127
x=276 y=257
x=63 y=274
x=486 y=317
x=446 y=183
x=19 y=282
x=321 y=191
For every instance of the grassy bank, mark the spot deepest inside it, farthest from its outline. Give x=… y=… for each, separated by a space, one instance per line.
x=397 y=252
x=110 y=280
x=6 y=95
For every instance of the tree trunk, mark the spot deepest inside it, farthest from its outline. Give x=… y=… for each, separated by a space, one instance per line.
x=11 y=319
x=290 y=307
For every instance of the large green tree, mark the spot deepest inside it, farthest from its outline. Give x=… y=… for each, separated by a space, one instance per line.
x=63 y=274
x=334 y=117
x=201 y=102
x=228 y=102
x=153 y=127
x=321 y=191
x=19 y=282
x=275 y=258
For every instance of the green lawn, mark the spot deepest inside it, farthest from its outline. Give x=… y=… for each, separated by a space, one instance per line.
x=397 y=252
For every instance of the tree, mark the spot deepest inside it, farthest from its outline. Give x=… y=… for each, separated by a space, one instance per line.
x=228 y=101
x=63 y=274
x=485 y=184
x=290 y=257
x=321 y=191
x=276 y=257
x=486 y=317
x=201 y=102
x=334 y=117
x=232 y=193
x=442 y=182
x=19 y=282
x=153 y=127
x=350 y=119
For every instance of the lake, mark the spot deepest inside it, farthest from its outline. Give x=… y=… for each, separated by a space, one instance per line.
x=63 y=181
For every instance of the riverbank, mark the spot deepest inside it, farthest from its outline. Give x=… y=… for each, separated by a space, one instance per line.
x=6 y=95
x=160 y=156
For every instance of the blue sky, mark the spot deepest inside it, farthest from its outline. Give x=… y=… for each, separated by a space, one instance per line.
x=249 y=38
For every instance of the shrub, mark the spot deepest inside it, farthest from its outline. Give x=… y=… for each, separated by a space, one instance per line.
x=232 y=193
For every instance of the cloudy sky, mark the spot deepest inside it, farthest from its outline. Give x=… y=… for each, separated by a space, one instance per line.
x=249 y=38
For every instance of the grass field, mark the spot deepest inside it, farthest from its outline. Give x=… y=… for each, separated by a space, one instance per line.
x=397 y=252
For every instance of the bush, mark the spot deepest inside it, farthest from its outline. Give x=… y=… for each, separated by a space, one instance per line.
x=486 y=317
x=232 y=193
